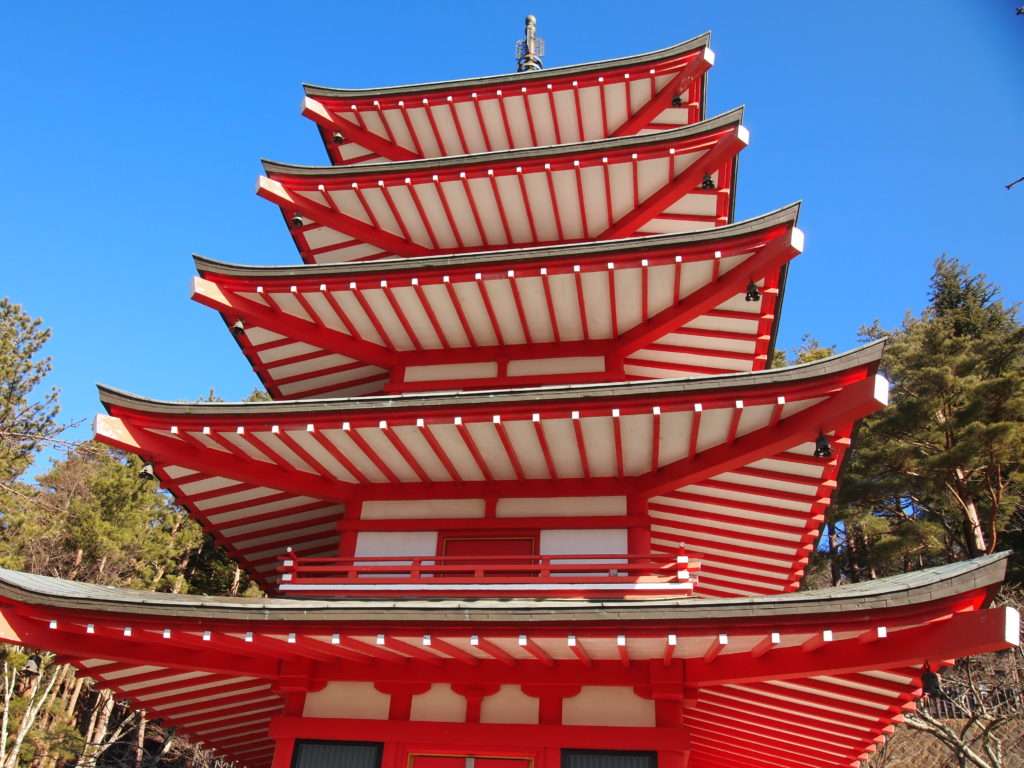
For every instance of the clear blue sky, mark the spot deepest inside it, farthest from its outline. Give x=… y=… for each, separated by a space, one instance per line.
x=132 y=134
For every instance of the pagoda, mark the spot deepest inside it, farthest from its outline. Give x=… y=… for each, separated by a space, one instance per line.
x=527 y=493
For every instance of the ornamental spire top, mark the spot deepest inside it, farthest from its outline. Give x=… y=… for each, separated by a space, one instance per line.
x=530 y=49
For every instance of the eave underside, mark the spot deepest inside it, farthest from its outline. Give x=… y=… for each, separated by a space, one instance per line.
x=722 y=465
x=671 y=181
x=657 y=307
x=622 y=97
x=811 y=679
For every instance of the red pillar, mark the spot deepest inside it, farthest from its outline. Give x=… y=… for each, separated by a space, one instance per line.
x=392 y=755
x=283 y=749
x=673 y=759
x=550 y=757
x=639 y=538
x=347 y=536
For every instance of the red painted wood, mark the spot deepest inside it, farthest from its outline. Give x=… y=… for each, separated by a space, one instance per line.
x=522 y=736
x=361 y=136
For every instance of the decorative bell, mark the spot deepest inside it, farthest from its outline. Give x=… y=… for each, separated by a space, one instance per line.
x=930 y=682
x=708 y=183
x=822 y=447
x=32 y=666
x=753 y=294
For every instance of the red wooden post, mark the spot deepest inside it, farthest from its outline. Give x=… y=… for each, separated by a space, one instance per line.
x=283 y=750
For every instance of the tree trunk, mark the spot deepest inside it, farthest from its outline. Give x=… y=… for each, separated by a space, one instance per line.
x=49 y=715
x=10 y=678
x=833 y=553
x=140 y=740
x=37 y=697
x=98 y=731
x=95 y=712
x=975 y=535
x=236 y=581
x=851 y=554
x=76 y=693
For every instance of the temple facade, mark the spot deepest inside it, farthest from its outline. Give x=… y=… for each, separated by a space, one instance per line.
x=527 y=493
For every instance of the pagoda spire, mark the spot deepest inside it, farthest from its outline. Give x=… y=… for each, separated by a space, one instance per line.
x=530 y=49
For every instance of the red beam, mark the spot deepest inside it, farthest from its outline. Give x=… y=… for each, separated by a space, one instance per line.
x=852 y=403
x=277 y=193
x=964 y=634
x=121 y=434
x=724 y=149
x=319 y=113
x=778 y=251
x=233 y=305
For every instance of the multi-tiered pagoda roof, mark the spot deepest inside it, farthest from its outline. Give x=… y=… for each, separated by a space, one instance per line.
x=602 y=100
x=661 y=306
x=527 y=490
x=679 y=180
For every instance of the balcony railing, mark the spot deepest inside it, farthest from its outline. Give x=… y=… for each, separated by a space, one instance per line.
x=586 y=575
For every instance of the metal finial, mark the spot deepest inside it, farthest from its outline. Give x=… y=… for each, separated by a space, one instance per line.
x=530 y=49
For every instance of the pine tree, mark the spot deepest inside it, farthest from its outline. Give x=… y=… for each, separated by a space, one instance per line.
x=938 y=475
x=26 y=421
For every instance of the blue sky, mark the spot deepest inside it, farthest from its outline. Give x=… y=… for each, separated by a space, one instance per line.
x=132 y=134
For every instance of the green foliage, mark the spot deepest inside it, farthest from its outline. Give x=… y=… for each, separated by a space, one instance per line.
x=94 y=517
x=808 y=351
x=91 y=516
x=938 y=475
x=25 y=421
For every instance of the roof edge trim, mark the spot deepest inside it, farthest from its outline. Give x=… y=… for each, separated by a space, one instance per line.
x=693 y=44
x=867 y=354
x=903 y=590
x=732 y=117
x=785 y=215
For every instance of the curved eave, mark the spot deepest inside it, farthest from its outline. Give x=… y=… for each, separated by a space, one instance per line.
x=688 y=46
x=895 y=592
x=867 y=355
x=780 y=217
x=728 y=119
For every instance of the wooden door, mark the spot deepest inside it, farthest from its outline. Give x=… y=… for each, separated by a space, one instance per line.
x=483 y=547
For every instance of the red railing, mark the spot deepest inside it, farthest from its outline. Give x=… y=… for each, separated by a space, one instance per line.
x=499 y=575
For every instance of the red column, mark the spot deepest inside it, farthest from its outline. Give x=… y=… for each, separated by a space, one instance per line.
x=392 y=756
x=283 y=749
x=400 y=706
x=474 y=695
x=550 y=696
x=551 y=757
x=639 y=540
x=347 y=536
x=673 y=759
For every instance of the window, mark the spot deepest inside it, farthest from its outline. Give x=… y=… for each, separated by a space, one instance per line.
x=336 y=754
x=589 y=758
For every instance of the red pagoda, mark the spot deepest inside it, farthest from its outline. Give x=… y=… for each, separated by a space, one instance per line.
x=526 y=494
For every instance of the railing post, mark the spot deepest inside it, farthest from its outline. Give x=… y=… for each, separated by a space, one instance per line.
x=682 y=565
x=682 y=572
x=289 y=563
x=415 y=568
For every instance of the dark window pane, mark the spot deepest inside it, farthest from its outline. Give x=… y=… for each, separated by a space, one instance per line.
x=586 y=758
x=336 y=754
